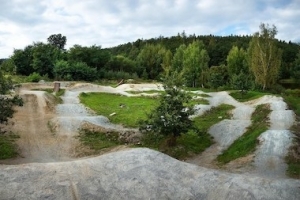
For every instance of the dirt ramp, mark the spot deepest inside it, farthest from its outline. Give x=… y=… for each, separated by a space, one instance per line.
x=136 y=174
x=38 y=140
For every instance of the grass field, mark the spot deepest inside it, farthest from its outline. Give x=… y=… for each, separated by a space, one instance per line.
x=129 y=110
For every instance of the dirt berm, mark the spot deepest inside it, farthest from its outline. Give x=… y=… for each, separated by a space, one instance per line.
x=136 y=174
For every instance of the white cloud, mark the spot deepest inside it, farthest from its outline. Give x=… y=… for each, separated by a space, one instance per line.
x=109 y=23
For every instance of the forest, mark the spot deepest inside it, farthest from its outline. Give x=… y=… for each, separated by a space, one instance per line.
x=210 y=61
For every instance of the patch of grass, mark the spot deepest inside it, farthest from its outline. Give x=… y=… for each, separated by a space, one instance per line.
x=98 y=141
x=7 y=147
x=194 y=141
x=249 y=95
x=188 y=144
x=198 y=101
x=213 y=116
x=292 y=98
x=293 y=170
x=129 y=110
x=248 y=141
x=57 y=95
x=60 y=93
x=293 y=157
x=147 y=92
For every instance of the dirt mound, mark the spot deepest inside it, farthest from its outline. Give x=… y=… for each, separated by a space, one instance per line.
x=136 y=174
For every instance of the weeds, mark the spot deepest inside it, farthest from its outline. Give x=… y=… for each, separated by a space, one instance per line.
x=7 y=147
x=98 y=141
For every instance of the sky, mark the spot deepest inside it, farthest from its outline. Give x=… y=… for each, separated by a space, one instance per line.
x=108 y=23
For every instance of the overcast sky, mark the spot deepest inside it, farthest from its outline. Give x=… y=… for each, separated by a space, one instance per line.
x=112 y=22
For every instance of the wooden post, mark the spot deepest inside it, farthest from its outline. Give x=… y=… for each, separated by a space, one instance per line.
x=56 y=86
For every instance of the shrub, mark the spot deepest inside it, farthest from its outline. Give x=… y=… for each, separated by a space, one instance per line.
x=34 y=77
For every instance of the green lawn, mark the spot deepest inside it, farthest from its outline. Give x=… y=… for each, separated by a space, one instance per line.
x=248 y=141
x=129 y=110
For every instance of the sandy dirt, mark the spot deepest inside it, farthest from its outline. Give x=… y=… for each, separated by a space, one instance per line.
x=38 y=143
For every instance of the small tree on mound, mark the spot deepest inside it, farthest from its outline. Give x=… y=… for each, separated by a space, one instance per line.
x=171 y=117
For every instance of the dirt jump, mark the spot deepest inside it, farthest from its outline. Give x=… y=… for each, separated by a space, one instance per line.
x=48 y=167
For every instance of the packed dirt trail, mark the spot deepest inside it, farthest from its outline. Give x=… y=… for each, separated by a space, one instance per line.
x=38 y=143
x=269 y=158
x=48 y=169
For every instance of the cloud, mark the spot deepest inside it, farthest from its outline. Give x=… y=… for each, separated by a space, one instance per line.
x=109 y=23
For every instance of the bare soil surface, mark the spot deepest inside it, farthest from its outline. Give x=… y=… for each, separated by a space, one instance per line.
x=51 y=170
x=38 y=142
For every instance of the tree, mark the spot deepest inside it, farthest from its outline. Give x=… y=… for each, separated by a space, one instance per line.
x=7 y=102
x=264 y=56
x=237 y=61
x=195 y=62
x=8 y=67
x=296 y=68
x=171 y=117
x=74 y=71
x=178 y=58
x=57 y=40
x=44 y=58
x=239 y=75
x=23 y=60
x=151 y=58
x=218 y=76
x=93 y=56
x=121 y=63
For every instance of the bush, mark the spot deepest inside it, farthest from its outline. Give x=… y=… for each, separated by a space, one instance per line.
x=76 y=71
x=34 y=77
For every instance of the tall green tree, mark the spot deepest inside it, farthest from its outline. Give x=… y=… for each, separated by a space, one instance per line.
x=57 y=40
x=167 y=62
x=237 y=61
x=44 y=58
x=218 y=76
x=265 y=56
x=178 y=58
x=150 y=59
x=93 y=56
x=296 y=68
x=238 y=69
x=23 y=59
x=195 y=62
